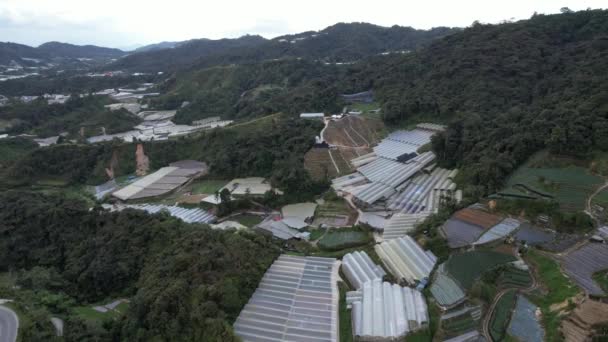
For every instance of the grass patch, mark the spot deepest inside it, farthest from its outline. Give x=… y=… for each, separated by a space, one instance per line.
x=90 y=315
x=247 y=220
x=316 y=234
x=502 y=315
x=602 y=279
x=207 y=186
x=558 y=290
x=338 y=239
x=346 y=330
x=468 y=267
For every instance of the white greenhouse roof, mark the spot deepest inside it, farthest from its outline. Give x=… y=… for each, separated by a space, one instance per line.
x=278 y=229
x=162 y=181
x=405 y=259
x=194 y=215
x=359 y=268
x=445 y=289
x=383 y=310
x=302 y=211
x=402 y=224
x=296 y=300
x=499 y=231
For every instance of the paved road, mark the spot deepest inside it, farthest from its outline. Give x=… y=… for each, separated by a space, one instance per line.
x=9 y=325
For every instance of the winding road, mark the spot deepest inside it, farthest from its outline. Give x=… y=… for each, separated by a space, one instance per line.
x=9 y=325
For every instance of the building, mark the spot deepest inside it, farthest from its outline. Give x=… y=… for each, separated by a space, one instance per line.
x=312 y=116
x=162 y=181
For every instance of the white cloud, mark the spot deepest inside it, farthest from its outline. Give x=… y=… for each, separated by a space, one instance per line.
x=125 y=22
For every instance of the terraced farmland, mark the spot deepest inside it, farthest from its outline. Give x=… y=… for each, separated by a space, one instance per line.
x=354 y=131
x=568 y=184
x=319 y=165
x=468 y=267
x=502 y=315
x=514 y=277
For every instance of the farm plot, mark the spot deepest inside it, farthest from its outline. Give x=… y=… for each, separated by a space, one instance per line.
x=562 y=242
x=524 y=323
x=514 y=277
x=335 y=214
x=568 y=184
x=353 y=131
x=207 y=186
x=533 y=236
x=579 y=325
x=319 y=165
x=468 y=267
x=460 y=324
x=501 y=316
x=581 y=264
x=340 y=239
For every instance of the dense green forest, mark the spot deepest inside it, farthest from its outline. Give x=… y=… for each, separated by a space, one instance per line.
x=249 y=90
x=338 y=43
x=186 y=282
x=87 y=113
x=507 y=91
x=71 y=83
x=273 y=147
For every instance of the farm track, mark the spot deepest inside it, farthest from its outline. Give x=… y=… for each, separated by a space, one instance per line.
x=588 y=208
x=488 y=317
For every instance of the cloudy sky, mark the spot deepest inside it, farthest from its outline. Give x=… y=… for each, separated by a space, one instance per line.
x=125 y=23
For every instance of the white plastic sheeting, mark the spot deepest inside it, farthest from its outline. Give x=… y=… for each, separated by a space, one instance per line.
x=296 y=300
x=445 y=289
x=302 y=211
x=384 y=310
x=415 y=195
x=402 y=224
x=405 y=259
x=505 y=228
x=401 y=142
x=278 y=229
x=359 y=268
x=194 y=215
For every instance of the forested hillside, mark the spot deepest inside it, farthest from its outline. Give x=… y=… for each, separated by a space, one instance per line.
x=78 y=113
x=273 y=147
x=53 y=52
x=509 y=90
x=338 y=43
x=241 y=91
x=188 y=282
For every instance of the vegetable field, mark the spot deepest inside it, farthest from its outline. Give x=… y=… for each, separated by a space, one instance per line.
x=340 y=239
x=467 y=267
x=568 y=184
x=502 y=315
x=514 y=277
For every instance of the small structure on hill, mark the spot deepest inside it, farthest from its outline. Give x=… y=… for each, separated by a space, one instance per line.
x=163 y=181
x=312 y=116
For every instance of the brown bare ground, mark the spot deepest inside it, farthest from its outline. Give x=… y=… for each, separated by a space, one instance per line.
x=318 y=164
x=353 y=131
x=578 y=325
